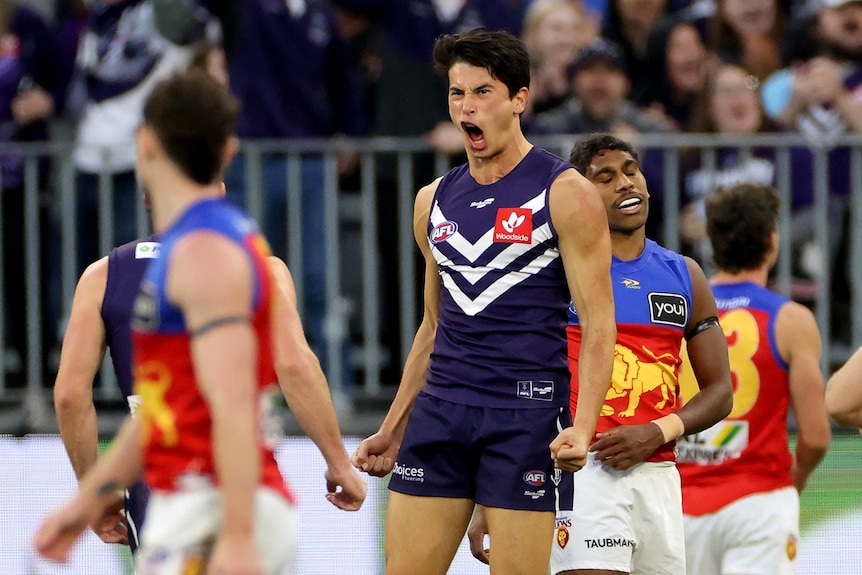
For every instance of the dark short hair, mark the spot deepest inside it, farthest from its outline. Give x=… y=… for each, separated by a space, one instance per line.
x=593 y=145
x=193 y=116
x=504 y=56
x=740 y=219
x=601 y=51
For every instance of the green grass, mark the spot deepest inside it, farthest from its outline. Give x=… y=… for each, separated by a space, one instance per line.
x=836 y=485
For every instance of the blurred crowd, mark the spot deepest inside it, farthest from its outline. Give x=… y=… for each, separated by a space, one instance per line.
x=329 y=68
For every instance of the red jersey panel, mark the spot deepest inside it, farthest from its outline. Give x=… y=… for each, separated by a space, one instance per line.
x=748 y=451
x=652 y=300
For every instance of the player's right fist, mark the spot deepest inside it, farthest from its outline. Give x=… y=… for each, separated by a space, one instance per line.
x=376 y=454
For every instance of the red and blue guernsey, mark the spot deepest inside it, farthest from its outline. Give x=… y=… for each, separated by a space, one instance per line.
x=747 y=452
x=500 y=337
x=176 y=419
x=652 y=298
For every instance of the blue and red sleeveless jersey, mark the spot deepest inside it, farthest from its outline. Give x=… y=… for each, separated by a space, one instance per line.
x=652 y=299
x=748 y=451
x=126 y=266
x=177 y=425
x=500 y=338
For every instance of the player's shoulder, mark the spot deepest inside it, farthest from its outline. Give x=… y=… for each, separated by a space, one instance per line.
x=93 y=280
x=570 y=187
x=793 y=315
x=425 y=196
x=575 y=204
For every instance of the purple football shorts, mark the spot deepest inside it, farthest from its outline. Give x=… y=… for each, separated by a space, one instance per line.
x=498 y=457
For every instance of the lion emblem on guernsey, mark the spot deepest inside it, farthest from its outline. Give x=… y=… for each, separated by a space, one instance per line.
x=635 y=377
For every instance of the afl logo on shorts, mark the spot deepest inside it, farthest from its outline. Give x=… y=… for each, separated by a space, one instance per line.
x=535 y=478
x=443 y=232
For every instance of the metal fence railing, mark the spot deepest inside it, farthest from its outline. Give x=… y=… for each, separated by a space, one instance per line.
x=368 y=282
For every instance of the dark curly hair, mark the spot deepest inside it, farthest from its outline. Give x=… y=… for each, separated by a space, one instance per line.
x=591 y=146
x=739 y=221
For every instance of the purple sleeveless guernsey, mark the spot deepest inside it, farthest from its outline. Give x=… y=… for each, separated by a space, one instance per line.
x=126 y=266
x=501 y=337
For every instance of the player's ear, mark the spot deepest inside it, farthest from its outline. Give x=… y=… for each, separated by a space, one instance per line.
x=520 y=100
x=146 y=142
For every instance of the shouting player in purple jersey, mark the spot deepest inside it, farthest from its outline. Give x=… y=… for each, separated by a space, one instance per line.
x=508 y=239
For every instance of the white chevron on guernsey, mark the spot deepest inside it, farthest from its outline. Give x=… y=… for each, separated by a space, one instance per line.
x=471 y=307
x=503 y=259
x=472 y=251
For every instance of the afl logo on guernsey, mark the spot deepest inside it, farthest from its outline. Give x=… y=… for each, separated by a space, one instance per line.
x=443 y=231
x=668 y=309
x=513 y=226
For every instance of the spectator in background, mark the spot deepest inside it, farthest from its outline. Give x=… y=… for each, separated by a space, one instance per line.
x=126 y=48
x=32 y=83
x=628 y=25
x=209 y=57
x=361 y=35
x=822 y=96
x=554 y=32
x=748 y=33
x=730 y=105
x=678 y=61
x=292 y=75
x=599 y=99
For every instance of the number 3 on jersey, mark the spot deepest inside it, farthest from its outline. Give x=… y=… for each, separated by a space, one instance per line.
x=743 y=341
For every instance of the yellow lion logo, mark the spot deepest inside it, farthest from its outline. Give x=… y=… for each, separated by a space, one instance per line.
x=634 y=377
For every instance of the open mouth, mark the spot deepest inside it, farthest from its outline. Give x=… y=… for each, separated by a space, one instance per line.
x=629 y=204
x=474 y=133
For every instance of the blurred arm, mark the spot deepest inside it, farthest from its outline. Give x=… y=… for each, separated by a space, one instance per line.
x=305 y=388
x=799 y=343
x=80 y=358
x=844 y=392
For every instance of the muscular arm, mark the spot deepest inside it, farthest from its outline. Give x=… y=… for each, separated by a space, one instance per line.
x=209 y=278
x=844 y=392
x=798 y=341
x=376 y=455
x=707 y=352
x=304 y=386
x=585 y=247
x=80 y=358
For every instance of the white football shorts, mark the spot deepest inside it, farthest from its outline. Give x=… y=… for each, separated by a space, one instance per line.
x=756 y=535
x=181 y=529
x=628 y=521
